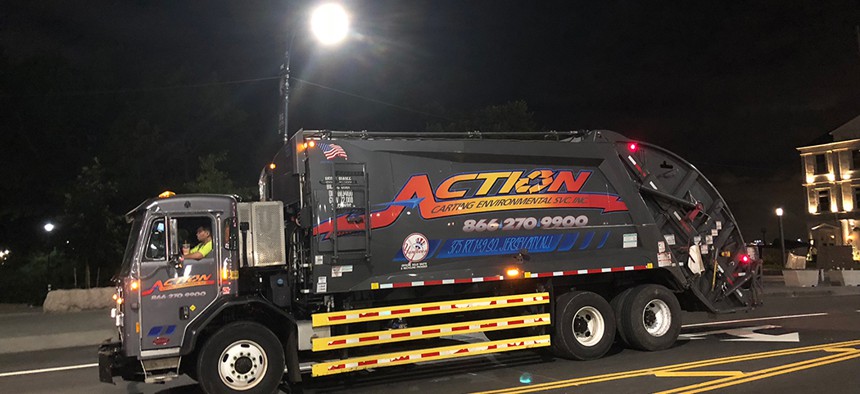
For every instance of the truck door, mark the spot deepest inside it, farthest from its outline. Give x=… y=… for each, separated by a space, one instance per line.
x=172 y=292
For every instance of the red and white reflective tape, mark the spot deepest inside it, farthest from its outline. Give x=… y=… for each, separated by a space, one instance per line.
x=431 y=354
x=398 y=285
x=588 y=271
x=441 y=330
x=453 y=305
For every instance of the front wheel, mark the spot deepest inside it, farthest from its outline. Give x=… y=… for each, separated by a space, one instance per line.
x=241 y=357
x=584 y=326
x=650 y=318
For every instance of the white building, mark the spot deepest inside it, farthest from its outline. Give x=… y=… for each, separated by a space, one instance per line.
x=832 y=181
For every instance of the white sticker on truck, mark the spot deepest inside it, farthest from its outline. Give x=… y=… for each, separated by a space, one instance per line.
x=321 y=284
x=664 y=259
x=631 y=240
x=670 y=239
x=338 y=270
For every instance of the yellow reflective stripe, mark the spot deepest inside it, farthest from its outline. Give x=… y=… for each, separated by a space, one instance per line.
x=431 y=308
x=424 y=332
x=431 y=354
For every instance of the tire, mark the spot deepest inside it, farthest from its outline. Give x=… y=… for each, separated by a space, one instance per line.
x=617 y=304
x=257 y=351
x=650 y=318
x=583 y=326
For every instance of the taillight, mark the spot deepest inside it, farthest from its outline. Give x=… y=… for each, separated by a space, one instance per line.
x=632 y=147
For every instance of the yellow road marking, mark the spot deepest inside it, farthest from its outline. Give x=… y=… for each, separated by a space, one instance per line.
x=695 y=374
x=764 y=373
x=839 y=349
x=673 y=368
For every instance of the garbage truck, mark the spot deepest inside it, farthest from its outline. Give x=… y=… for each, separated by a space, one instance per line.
x=375 y=249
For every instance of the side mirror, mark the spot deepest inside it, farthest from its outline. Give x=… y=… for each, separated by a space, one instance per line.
x=232 y=234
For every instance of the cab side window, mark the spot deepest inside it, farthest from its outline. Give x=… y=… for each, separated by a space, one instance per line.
x=197 y=234
x=156 y=244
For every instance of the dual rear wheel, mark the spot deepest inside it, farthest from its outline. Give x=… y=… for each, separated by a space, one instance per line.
x=646 y=317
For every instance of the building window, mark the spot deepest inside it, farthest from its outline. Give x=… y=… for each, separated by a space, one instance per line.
x=855 y=159
x=824 y=200
x=856 y=196
x=820 y=164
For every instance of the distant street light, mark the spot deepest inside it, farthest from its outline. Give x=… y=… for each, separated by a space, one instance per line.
x=779 y=213
x=330 y=25
x=49 y=227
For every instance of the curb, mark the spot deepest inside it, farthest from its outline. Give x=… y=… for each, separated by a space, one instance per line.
x=813 y=292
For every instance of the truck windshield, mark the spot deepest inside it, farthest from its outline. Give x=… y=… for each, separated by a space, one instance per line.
x=127 y=258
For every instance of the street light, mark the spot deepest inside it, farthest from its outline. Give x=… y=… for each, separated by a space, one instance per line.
x=49 y=227
x=779 y=213
x=330 y=25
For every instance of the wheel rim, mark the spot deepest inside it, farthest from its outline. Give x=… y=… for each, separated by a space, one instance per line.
x=588 y=326
x=242 y=365
x=657 y=317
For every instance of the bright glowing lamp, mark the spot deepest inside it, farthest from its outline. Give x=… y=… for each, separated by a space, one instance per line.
x=330 y=23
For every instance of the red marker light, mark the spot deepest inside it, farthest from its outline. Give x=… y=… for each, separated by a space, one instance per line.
x=633 y=147
x=745 y=259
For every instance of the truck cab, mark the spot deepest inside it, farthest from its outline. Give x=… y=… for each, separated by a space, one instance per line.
x=159 y=292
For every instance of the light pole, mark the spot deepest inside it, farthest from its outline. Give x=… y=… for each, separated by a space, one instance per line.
x=779 y=213
x=330 y=25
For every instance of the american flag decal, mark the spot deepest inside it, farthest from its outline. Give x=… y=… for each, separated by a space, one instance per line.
x=333 y=150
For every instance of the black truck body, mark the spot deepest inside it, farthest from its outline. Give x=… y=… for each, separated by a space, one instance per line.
x=368 y=247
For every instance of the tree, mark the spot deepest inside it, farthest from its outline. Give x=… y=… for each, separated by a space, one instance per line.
x=212 y=180
x=91 y=228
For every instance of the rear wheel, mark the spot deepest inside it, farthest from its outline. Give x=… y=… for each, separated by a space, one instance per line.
x=650 y=318
x=617 y=305
x=584 y=326
x=241 y=357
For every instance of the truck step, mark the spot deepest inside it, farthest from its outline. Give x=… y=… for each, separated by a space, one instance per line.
x=166 y=377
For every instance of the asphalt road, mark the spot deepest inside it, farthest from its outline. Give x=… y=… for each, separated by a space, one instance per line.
x=800 y=344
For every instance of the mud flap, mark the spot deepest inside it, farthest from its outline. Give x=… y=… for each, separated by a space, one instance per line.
x=108 y=354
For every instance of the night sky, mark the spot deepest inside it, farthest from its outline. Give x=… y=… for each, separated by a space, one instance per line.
x=733 y=87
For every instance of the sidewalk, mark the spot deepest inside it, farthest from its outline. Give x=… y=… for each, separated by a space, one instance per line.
x=775 y=287
x=24 y=329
